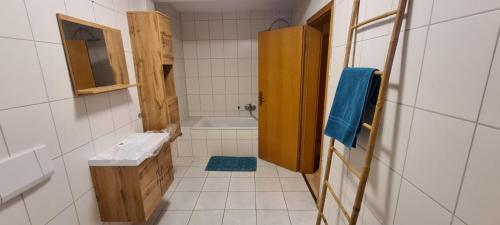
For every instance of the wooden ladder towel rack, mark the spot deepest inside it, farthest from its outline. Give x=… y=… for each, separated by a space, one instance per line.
x=385 y=75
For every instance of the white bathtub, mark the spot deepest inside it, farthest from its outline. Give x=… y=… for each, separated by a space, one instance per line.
x=225 y=123
x=208 y=136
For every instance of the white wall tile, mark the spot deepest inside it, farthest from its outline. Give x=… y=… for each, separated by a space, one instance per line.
x=393 y=136
x=206 y=85
x=194 y=103
x=193 y=86
x=4 y=153
x=71 y=122
x=87 y=210
x=14 y=212
x=56 y=191
x=42 y=19
x=406 y=68
x=99 y=114
x=448 y=9
x=229 y=147
x=437 y=154
x=244 y=67
x=443 y=83
x=230 y=29
x=415 y=208
x=106 y=3
x=207 y=104
x=231 y=67
x=27 y=127
x=229 y=15
x=244 y=85
x=203 y=49
x=185 y=148
x=244 y=147
x=188 y=30
x=216 y=48
x=202 y=31
x=66 y=217
x=230 y=48
x=199 y=147
x=479 y=191
x=14 y=22
x=204 y=68
x=219 y=103
x=216 y=29
x=78 y=170
x=381 y=192
x=218 y=85
x=231 y=103
x=215 y=16
x=491 y=106
x=82 y=9
x=244 y=48
x=119 y=108
x=189 y=49
x=243 y=29
x=214 y=147
x=191 y=67
x=105 y=142
x=231 y=85
x=104 y=16
x=55 y=70
x=29 y=88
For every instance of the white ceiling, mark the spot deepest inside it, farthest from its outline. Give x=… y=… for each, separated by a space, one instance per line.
x=229 y=5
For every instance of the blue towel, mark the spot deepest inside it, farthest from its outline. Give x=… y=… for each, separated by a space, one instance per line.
x=356 y=94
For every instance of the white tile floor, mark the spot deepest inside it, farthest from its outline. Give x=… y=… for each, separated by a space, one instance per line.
x=270 y=196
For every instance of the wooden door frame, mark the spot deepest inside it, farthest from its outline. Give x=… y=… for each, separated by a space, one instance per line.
x=326 y=12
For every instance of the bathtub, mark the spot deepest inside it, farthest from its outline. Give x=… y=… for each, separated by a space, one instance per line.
x=209 y=136
x=226 y=123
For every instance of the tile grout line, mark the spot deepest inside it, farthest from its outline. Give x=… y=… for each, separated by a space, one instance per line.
x=398 y=195
x=476 y=126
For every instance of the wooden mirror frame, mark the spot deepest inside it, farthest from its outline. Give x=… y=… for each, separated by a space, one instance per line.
x=116 y=55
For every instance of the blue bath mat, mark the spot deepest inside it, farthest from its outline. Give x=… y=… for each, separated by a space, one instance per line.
x=230 y=163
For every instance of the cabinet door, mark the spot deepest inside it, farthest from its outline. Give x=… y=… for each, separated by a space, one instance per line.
x=166 y=39
x=150 y=185
x=165 y=167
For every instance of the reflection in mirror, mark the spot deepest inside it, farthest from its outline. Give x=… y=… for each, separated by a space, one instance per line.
x=86 y=47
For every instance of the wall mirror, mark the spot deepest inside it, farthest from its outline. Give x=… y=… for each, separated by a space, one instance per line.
x=95 y=56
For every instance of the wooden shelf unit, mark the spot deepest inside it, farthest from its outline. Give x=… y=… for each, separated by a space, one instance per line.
x=151 y=39
x=98 y=90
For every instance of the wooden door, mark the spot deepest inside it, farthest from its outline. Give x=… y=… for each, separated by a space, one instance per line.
x=280 y=74
x=310 y=99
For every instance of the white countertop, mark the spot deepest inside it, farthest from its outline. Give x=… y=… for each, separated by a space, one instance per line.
x=131 y=151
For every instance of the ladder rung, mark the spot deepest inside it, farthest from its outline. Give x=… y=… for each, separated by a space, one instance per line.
x=346 y=162
x=368 y=126
x=373 y=19
x=342 y=208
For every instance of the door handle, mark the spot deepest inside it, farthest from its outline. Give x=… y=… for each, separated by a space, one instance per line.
x=261 y=98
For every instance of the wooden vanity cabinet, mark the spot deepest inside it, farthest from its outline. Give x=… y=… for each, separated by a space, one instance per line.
x=151 y=39
x=132 y=193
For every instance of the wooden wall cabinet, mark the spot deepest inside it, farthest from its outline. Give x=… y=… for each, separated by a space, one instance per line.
x=151 y=39
x=132 y=193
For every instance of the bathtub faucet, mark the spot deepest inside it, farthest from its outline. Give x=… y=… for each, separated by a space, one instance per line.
x=250 y=108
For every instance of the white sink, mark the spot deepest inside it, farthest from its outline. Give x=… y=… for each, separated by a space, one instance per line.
x=131 y=151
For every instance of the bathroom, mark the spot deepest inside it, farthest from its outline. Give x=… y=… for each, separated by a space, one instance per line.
x=434 y=157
